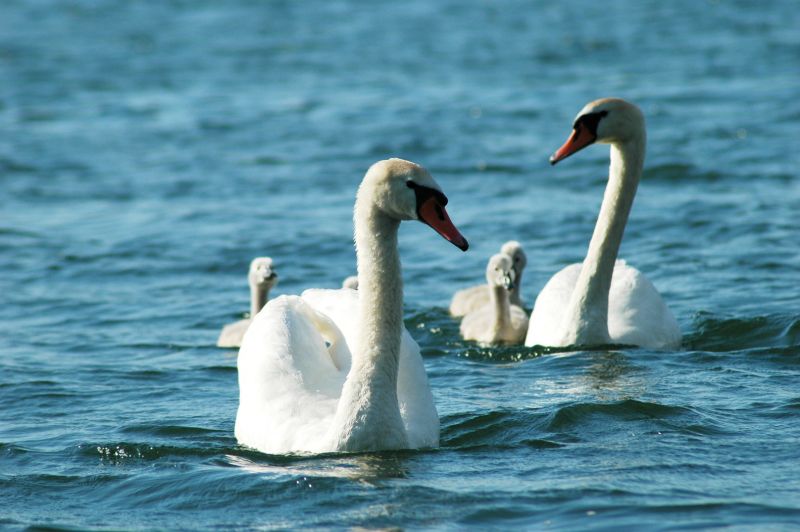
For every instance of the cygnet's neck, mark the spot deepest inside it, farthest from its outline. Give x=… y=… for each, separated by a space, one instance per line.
x=586 y=319
x=258 y=297
x=515 y=298
x=499 y=297
x=368 y=414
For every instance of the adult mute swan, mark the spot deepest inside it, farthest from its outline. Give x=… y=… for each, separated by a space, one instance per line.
x=335 y=370
x=476 y=297
x=262 y=278
x=603 y=300
x=498 y=321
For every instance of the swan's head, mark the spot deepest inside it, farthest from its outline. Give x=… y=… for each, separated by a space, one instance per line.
x=406 y=191
x=262 y=274
x=519 y=260
x=500 y=271
x=607 y=121
x=351 y=282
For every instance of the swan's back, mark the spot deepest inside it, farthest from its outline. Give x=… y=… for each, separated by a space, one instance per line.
x=289 y=385
x=478 y=326
x=551 y=304
x=637 y=315
x=413 y=392
x=469 y=300
x=290 y=380
x=232 y=333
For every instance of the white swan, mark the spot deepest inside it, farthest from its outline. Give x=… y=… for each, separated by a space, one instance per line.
x=476 y=297
x=262 y=278
x=335 y=370
x=498 y=321
x=603 y=300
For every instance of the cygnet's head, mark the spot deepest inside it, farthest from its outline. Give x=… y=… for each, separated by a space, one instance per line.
x=351 y=282
x=404 y=190
x=519 y=260
x=499 y=271
x=607 y=121
x=262 y=274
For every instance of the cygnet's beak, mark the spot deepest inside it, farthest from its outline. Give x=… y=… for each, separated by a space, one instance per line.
x=579 y=139
x=508 y=280
x=268 y=275
x=432 y=212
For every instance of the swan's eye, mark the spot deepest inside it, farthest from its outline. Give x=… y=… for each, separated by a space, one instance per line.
x=590 y=121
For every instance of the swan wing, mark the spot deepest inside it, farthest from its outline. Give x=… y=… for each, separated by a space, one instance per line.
x=289 y=384
x=341 y=306
x=469 y=300
x=232 y=334
x=519 y=325
x=637 y=315
x=413 y=391
x=480 y=326
x=548 y=312
x=414 y=395
x=476 y=324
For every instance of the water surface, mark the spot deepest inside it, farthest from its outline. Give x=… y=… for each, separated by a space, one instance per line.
x=149 y=150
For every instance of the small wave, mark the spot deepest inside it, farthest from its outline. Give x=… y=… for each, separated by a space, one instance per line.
x=782 y=355
x=630 y=409
x=122 y=452
x=21 y=233
x=503 y=354
x=516 y=353
x=29 y=383
x=740 y=508
x=673 y=172
x=169 y=431
x=11 y=449
x=713 y=333
x=221 y=369
x=497 y=429
x=484 y=167
x=12 y=166
x=145 y=374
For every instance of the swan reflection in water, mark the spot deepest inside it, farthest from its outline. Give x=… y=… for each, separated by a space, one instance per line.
x=369 y=468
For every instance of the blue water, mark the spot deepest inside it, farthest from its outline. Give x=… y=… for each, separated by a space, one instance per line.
x=149 y=150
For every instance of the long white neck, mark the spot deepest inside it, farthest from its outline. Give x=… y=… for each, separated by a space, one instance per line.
x=586 y=319
x=368 y=413
x=515 y=297
x=258 y=298
x=502 y=311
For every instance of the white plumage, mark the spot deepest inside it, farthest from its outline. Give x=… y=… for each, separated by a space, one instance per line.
x=335 y=370
x=603 y=300
x=637 y=315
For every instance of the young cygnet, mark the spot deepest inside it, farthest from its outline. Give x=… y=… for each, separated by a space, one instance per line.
x=498 y=321
x=262 y=278
x=472 y=298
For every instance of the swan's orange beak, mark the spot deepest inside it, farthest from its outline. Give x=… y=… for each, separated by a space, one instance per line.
x=580 y=138
x=433 y=213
